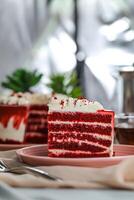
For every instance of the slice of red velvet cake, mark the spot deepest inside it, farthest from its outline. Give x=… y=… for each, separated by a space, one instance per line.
x=79 y=128
x=37 y=131
x=13 y=119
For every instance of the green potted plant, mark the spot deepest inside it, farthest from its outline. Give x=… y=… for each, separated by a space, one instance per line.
x=65 y=83
x=22 y=80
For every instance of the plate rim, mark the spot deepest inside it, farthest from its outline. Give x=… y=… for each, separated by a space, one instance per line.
x=20 y=152
x=6 y=147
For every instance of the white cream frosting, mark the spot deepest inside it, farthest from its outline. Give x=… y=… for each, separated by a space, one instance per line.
x=37 y=98
x=63 y=151
x=76 y=122
x=63 y=103
x=11 y=133
x=24 y=98
x=13 y=99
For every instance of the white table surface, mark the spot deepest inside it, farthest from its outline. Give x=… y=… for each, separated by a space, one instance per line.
x=73 y=194
x=9 y=193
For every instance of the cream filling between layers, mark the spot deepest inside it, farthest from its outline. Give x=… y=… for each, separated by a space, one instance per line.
x=77 y=122
x=95 y=135
x=38 y=112
x=59 y=151
x=37 y=120
x=11 y=133
x=80 y=142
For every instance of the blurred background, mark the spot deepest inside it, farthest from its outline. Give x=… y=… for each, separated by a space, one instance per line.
x=94 y=37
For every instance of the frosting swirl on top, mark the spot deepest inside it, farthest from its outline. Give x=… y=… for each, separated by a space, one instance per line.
x=63 y=103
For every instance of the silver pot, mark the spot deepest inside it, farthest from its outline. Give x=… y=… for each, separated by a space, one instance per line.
x=126 y=89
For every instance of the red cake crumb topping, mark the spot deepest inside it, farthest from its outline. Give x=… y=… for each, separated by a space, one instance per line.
x=62 y=103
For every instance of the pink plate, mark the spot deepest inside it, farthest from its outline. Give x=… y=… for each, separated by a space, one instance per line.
x=37 y=155
x=6 y=147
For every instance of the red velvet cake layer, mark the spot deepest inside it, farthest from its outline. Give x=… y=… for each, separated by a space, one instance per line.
x=80 y=117
x=35 y=114
x=38 y=120
x=36 y=137
x=84 y=137
x=77 y=155
x=38 y=107
x=36 y=126
x=75 y=145
x=88 y=128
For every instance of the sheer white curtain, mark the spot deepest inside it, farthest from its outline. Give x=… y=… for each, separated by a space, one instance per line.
x=24 y=28
x=21 y=23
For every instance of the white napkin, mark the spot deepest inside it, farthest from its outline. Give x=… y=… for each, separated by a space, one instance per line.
x=118 y=176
